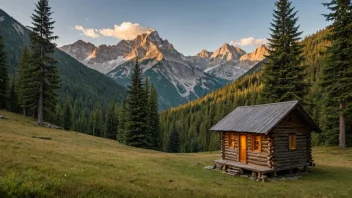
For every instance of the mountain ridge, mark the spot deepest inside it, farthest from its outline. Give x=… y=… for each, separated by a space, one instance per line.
x=77 y=81
x=176 y=80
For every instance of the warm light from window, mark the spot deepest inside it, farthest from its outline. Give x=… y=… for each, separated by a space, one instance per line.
x=257 y=143
x=232 y=140
x=292 y=141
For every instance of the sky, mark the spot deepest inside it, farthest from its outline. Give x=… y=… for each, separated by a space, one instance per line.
x=190 y=25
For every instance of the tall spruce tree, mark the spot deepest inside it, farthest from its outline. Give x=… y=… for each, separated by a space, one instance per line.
x=30 y=88
x=283 y=76
x=111 y=122
x=137 y=126
x=76 y=109
x=122 y=124
x=45 y=75
x=154 y=120
x=12 y=100
x=3 y=75
x=96 y=121
x=174 y=142
x=67 y=115
x=337 y=74
x=23 y=77
x=58 y=114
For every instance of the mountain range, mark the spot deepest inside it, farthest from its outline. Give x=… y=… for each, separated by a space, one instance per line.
x=178 y=78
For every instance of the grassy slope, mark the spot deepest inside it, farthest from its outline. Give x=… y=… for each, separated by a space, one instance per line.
x=75 y=165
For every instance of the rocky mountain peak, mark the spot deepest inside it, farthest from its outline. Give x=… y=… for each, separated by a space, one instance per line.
x=228 y=52
x=204 y=54
x=79 y=49
x=257 y=55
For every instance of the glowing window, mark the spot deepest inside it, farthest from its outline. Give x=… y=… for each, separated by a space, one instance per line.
x=257 y=143
x=292 y=141
x=231 y=140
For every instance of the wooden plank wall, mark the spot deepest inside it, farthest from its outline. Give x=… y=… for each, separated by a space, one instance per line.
x=280 y=156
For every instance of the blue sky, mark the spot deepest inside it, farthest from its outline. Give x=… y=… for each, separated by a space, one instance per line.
x=190 y=25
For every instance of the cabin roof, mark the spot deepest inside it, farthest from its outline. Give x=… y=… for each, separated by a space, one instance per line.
x=261 y=118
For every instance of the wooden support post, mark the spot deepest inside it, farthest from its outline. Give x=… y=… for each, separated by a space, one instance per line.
x=259 y=175
x=290 y=172
x=254 y=174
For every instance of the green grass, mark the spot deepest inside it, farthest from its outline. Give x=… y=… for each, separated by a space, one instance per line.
x=78 y=165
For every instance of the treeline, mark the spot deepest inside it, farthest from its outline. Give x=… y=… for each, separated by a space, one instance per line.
x=193 y=120
x=134 y=122
x=297 y=72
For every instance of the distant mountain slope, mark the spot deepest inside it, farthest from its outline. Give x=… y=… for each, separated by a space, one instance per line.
x=78 y=81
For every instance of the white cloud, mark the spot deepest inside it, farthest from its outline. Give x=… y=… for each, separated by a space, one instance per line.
x=126 y=31
x=89 y=32
x=249 y=41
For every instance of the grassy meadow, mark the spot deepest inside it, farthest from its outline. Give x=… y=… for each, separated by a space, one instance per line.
x=79 y=165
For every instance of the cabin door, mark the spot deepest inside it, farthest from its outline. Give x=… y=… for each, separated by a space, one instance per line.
x=243 y=148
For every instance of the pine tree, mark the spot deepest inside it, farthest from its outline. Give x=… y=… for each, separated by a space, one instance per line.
x=122 y=126
x=45 y=76
x=3 y=75
x=58 y=115
x=337 y=73
x=67 y=115
x=283 y=76
x=12 y=101
x=137 y=126
x=76 y=109
x=111 y=122
x=174 y=142
x=154 y=120
x=96 y=122
x=30 y=88
x=23 y=77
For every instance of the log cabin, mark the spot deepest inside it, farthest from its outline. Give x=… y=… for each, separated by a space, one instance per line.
x=266 y=138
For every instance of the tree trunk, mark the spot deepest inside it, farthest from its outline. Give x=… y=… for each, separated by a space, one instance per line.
x=40 y=104
x=41 y=86
x=342 y=136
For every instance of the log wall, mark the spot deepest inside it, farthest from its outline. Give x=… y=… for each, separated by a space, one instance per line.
x=253 y=157
x=227 y=152
x=280 y=156
x=257 y=157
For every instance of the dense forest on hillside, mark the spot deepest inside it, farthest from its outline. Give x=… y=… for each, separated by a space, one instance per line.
x=193 y=120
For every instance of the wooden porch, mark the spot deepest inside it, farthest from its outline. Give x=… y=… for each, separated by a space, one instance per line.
x=250 y=167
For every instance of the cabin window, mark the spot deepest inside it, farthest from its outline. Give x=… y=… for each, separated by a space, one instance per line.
x=257 y=143
x=231 y=140
x=292 y=141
